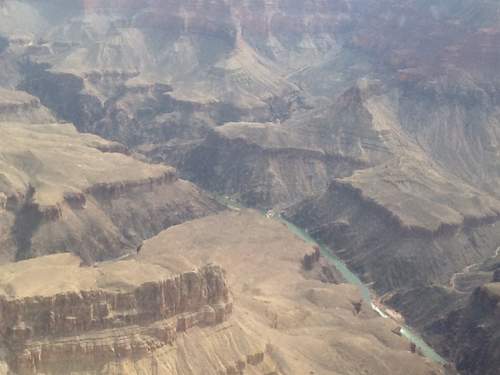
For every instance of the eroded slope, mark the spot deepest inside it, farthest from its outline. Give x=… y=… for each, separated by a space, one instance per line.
x=65 y=191
x=166 y=311
x=309 y=326
x=59 y=317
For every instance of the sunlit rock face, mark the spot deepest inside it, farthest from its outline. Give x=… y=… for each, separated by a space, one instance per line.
x=125 y=310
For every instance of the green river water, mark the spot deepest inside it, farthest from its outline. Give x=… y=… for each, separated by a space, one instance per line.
x=367 y=294
x=350 y=277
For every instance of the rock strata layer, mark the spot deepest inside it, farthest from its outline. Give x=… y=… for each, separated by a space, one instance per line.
x=115 y=314
x=65 y=191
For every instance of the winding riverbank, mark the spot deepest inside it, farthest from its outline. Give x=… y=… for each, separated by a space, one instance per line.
x=368 y=296
x=350 y=277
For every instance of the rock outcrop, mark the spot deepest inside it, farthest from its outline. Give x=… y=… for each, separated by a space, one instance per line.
x=116 y=317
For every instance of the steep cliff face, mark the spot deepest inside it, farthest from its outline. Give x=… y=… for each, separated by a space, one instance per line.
x=102 y=314
x=419 y=214
x=418 y=223
x=278 y=29
x=405 y=256
x=465 y=37
x=474 y=332
x=113 y=105
x=255 y=59
x=258 y=175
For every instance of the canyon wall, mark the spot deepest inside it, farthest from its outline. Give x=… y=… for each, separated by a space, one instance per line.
x=102 y=211
x=49 y=331
x=477 y=333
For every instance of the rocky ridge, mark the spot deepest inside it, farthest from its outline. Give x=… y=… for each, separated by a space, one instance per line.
x=418 y=224
x=49 y=205
x=113 y=319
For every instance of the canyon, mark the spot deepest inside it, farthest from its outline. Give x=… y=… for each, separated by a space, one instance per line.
x=372 y=124
x=171 y=309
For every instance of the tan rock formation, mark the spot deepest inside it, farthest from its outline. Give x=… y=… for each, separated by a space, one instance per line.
x=308 y=325
x=115 y=310
x=61 y=191
x=154 y=314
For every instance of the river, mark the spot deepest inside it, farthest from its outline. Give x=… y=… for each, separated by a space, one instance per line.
x=351 y=278
x=367 y=294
